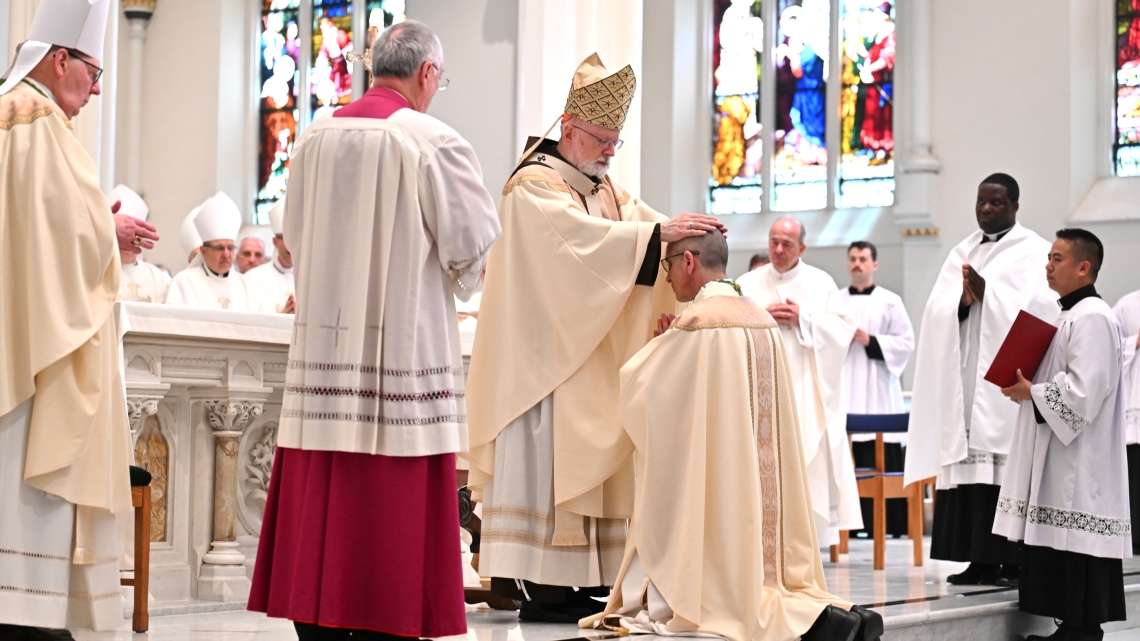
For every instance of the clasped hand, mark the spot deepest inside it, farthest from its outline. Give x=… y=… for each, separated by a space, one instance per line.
x=1020 y=391
x=973 y=285
x=785 y=313
x=663 y=324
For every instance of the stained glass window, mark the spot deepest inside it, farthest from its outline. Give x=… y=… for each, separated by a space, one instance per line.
x=867 y=166
x=738 y=42
x=279 y=47
x=330 y=78
x=1126 y=147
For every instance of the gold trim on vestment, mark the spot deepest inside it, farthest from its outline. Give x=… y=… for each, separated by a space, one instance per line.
x=518 y=180
x=693 y=328
x=624 y=199
x=517 y=513
x=26 y=118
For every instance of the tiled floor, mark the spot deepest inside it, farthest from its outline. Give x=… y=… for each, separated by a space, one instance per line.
x=901 y=589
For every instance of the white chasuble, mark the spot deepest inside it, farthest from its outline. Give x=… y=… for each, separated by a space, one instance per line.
x=142 y=282
x=871 y=373
x=200 y=287
x=960 y=425
x=275 y=283
x=386 y=219
x=722 y=539
x=817 y=351
x=1127 y=311
x=1067 y=483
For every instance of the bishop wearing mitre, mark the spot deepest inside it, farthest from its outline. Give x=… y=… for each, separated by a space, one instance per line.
x=215 y=284
x=817 y=331
x=189 y=239
x=722 y=542
x=64 y=439
x=571 y=293
x=141 y=281
x=275 y=278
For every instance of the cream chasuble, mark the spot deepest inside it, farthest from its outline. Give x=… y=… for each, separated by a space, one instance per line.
x=63 y=422
x=1127 y=311
x=274 y=282
x=142 y=282
x=960 y=425
x=560 y=313
x=200 y=287
x=722 y=540
x=817 y=351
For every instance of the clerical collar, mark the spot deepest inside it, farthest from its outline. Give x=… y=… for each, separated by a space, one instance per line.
x=776 y=274
x=550 y=148
x=210 y=272
x=1077 y=295
x=280 y=268
x=856 y=292
x=993 y=238
x=41 y=88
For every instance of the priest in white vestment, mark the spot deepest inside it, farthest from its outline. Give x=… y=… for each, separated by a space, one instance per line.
x=570 y=296
x=1127 y=311
x=817 y=331
x=215 y=284
x=64 y=439
x=141 y=281
x=1065 y=492
x=388 y=219
x=275 y=278
x=961 y=426
x=722 y=541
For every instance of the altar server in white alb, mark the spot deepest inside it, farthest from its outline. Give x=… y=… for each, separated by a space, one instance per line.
x=817 y=331
x=275 y=278
x=1127 y=312
x=961 y=426
x=215 y=284
x=1065 y=492
x=141 y=282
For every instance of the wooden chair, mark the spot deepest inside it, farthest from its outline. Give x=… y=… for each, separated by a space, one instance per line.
x=140 y=498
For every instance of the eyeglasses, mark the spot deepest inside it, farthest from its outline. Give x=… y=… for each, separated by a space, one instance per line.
x=444 y=82
x=665 y=261
x=602 y=142
x=98 y=70
x=221 y=248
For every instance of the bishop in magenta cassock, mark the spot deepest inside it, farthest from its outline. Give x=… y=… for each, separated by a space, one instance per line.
x=388 y=219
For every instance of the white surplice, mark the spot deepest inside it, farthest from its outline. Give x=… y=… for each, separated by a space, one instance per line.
x=960 y=425
x=1127 y=312
x=1067 y=483
x=817 y=350
x=872 y=384
x=142 y=282
x=275 y=282
x=200 y=287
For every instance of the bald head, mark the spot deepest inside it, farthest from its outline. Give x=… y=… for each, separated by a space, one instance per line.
x=786 y=243
x=711 y=250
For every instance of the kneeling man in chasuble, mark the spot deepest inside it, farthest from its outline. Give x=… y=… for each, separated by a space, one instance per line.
x=361 y=530
x=722 y=541
x=572 y=292
x=1065 y=492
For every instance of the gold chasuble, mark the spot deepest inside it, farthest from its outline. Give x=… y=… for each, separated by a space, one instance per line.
x=722 y=540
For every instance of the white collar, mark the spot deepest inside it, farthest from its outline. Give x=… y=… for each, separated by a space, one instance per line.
x=219 y=277
x=791 y=274
x=280 y=268
x=715 y=288
x=993 y=238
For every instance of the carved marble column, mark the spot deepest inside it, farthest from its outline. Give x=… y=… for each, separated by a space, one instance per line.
x=223 y=576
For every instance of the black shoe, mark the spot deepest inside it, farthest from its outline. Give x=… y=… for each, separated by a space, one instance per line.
x=870 y=624
x=585 y=598
x=552 y=612
x=834 y=624
x=1008 y=578
x=27 y=633
x=976 y=574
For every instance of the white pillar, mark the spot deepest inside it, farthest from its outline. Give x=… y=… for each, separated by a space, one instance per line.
x=921 y=158
x=138 y=13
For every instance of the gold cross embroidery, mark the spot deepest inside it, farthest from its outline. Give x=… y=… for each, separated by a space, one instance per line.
x=225 y=302
x=134 y=287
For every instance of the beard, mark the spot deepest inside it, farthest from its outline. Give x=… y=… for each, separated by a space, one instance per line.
x=596 y=167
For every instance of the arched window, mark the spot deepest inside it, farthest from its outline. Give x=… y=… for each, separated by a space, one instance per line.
x=304 y=75
x=811 y=118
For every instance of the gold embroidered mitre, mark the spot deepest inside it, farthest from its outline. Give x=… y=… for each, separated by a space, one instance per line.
x=599 y=97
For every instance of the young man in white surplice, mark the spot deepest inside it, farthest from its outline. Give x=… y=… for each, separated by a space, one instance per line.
x=1065 y=493
x=1127 y=312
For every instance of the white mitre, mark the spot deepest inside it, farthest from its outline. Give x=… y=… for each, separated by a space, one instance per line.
x=219 y=218
x=188 y=236
x=132 y=203
x=72 y=24
x=277 y=218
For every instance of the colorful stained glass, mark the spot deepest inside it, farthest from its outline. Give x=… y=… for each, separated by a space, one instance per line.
x=384 y=13
x=330 y=76
x=1126 y=147
x=799 y=166
x=735 y=185
x=278 y=109
x=866 y=104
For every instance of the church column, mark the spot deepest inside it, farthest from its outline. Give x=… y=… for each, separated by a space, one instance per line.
x=223 y=576
x=138 y=13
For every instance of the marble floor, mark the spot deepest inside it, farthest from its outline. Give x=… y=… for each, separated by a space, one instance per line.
x=899 y=592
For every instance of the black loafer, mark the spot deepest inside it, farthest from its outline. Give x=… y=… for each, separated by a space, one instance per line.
x=552 y=613
x=976 y=574
x=27 y=633
x=870 y=624
x=834 y=624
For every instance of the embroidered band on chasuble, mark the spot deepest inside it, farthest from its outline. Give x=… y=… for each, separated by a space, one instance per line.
x=598 y=98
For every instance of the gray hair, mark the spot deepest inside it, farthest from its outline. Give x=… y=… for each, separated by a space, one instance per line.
x=400 y=50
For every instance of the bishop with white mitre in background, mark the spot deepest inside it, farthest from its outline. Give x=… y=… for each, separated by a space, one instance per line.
x=722 y=541
x=275 y=278
x=572 y=291
x=1127 y=311
x=817 y=331
x=189 y=239
x=215 y=284
x=961 y=426
x=141 y=282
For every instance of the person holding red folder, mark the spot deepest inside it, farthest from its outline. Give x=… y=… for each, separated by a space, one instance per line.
x=1065 y=492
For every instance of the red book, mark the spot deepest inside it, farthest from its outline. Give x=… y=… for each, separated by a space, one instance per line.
x=1023 y=349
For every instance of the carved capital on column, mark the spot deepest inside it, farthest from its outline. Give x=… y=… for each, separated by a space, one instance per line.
x=140 y=407
x=232 y=415
x=138 y=9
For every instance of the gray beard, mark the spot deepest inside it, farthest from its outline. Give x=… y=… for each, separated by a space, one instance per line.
x=589 y=167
